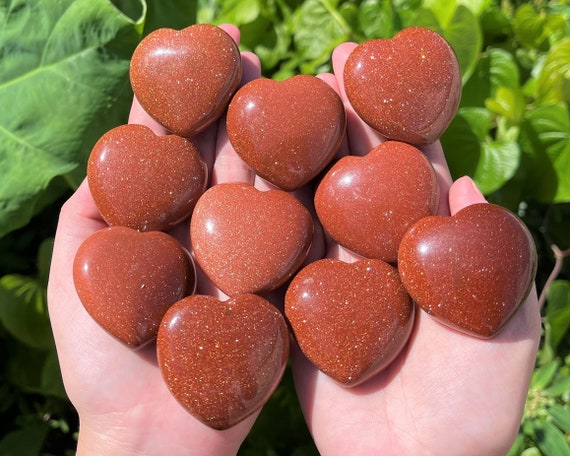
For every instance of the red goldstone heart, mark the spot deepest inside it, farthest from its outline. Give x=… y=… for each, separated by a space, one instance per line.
x=144 y=181
x=367 y=203
x=222 y=360
x=185 y=78
x=249 y=241
x=127 y=280
x=350 y=320
x=407 y=88
x=470 y=271
x=287 y=131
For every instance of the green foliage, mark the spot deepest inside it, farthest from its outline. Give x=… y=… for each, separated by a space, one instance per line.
x=64 y=82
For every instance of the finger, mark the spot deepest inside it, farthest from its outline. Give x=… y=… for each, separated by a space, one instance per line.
x=139 y=116
x=435 y=155
x=361 y=137
x=332 y=81
x=228 y=165
x=463 y=193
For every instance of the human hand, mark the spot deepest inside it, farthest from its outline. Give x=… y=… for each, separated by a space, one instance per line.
x=446 y=393
x=123 y=403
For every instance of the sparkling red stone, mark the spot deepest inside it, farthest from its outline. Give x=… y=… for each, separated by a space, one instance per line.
x=286 y=131
x=143 y=181
x=367 y=203
x=249 y=241
x=127 y=280
x=185 y=78
x=350 y=320
x=470 y=271
x=407 y=88
x=222 y=360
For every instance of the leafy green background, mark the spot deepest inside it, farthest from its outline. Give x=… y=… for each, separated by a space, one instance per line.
x=64 y=82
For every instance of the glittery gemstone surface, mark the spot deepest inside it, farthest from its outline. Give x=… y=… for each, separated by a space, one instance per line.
x=408 y=87
x=367 y=203
x=470 y=271
x=127 y=280
x=185 y=78
x=222 y=360
x=143 y=181
x=287 y=131
x=350 y=320
x=249 y=241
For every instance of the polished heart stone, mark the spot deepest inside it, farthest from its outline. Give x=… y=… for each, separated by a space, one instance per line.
x=249 y=241
x=222 y=360
x=350 y=320
x=470 y=271
x=143 y=181
x=287 y=131
x=127 y=280
x=367 y=203
x=185 y=78
x=407 y=88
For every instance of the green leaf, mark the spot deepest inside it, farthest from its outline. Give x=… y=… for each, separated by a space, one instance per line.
x=319 y=28
x=503 y=69
x=51 y=382
x=549 y=439
x=497 y=164
x=23 y=310
x=529 y=27
x=560 y=416
x=545 y=141
x=376 y=18
x=559 y=386
x=62 y=63
x=558 y=311
x=464 y=35
x=176 y=14
x=553 y=84
x=518 y=445
x=27 y=441
x=477 y=7
x=237 y=12
x=532 y=451
x=462 y=140
x=543 y=375
x=508 y=103
x=442 y=10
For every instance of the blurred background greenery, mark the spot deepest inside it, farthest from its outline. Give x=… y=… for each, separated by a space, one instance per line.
x=64 y=82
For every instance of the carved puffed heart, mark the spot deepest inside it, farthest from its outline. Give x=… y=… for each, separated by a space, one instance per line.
x=249 y=241
x=143 y=181
x=127 y=280
x=367 y=203
x=350 y=320
x=286 y=131
x=407 y=88
x=185 y=78
x=470 y=271
x=222 y=360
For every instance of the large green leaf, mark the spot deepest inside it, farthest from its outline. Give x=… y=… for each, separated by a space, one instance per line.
x=558 y=311
x=63 y=63
x=545 y=140
x=554 y=82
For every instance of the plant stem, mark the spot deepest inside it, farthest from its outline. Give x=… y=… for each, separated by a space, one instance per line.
x=559 y=256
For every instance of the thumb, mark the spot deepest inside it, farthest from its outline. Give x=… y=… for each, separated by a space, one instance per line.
x=463 y=193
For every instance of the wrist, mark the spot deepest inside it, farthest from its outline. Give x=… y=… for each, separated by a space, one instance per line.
x=121 y=436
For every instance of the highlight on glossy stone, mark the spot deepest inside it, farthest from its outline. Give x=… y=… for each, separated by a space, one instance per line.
x=367 y=203
x=408 y=87
x=349 y=320
x=143 y=181
x=471 y=271
x=249 y=241
x=222 y=360
x=127 y=280
x=286 y=131
x=185 y=78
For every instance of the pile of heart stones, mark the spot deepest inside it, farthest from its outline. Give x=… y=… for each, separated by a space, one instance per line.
x=223 y=359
